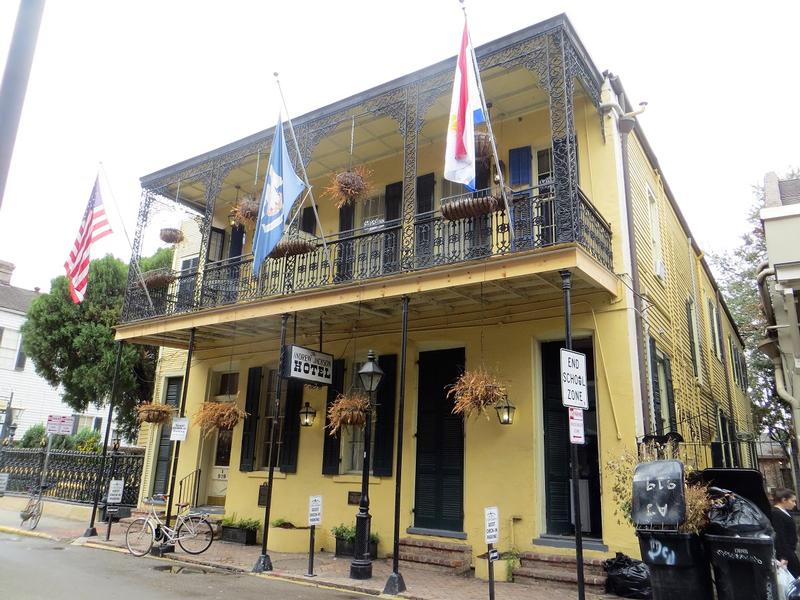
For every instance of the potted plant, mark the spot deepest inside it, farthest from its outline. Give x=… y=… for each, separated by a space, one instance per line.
x=292 y=248
x=475 y=391
x=245 y=211
x=463 y=207
x=348 y=186
x=345 y=541
x=159 y=278
x=348 y=409
x=149 y=412
x=242 y=531
x=171 y=235
x=222 y=415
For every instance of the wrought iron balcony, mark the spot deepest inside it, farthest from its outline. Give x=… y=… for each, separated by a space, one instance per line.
x=376 y=251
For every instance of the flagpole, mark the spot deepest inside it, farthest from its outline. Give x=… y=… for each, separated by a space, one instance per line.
x=134 y=262
x=489 y=125
x=303 y=169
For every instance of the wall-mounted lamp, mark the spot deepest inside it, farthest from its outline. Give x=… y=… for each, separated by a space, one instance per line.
x=307 y=416
x=505 y=412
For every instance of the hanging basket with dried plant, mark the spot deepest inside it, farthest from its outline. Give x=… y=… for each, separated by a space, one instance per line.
x=476 y=390
x=158 y=279
x=171 y=235
x=348 y=409
x=348 y=186
x=464 y=207
x=154 y=413
x=222 y=415
x=292 y=248
x=245 y=211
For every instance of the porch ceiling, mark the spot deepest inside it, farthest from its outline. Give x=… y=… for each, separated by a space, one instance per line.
x=466 y=294
x=511 y=93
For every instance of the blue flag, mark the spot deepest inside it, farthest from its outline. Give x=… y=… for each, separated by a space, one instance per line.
x=281 y=188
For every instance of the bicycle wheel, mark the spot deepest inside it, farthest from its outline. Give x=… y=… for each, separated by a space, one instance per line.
x=139 y=537
x=195 y=535
x=32 y=513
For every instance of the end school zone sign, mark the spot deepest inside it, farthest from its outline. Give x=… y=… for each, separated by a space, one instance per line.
x=308 y=365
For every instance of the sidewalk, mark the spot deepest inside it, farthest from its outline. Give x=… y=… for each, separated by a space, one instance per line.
x=422 y=583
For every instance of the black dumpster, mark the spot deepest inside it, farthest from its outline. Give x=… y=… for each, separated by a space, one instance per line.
x=744 y=567
x=678 y=565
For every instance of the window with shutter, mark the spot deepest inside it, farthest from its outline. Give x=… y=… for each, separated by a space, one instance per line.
x=519 y=160
x=331 y=443
x=290 y=439
x=384 y=417
x=173 y=387
x=250 y=425
x=692 y=335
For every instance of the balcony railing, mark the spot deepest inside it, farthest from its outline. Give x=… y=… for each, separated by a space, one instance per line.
x=376 y=251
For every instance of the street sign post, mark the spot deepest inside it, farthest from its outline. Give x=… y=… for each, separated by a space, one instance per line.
x=574 y=391
x=314 y=519
x=576 y=431
x=180 y=426
x=492 y=535
x=115 y=489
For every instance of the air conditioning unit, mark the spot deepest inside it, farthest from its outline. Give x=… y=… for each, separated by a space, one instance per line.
x=661 y=270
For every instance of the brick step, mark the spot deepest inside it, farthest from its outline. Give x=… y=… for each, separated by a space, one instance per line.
x=442 y=561
x=556 y=575
x=442 y=556
x=535 y=560
x=436 y=545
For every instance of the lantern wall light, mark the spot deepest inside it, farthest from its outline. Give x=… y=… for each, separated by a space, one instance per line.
x=505 y=412
x=307 y=415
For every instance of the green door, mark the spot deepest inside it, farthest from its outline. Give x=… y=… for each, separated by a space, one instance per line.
x=439 y=490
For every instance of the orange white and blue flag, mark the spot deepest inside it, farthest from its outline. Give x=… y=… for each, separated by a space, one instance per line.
x=466 y=111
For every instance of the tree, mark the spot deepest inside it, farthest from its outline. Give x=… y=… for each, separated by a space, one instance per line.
x=72 y=345
x=736 y=273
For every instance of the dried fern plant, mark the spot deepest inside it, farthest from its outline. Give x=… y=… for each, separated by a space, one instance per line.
x=223 y=415
x=697 y=504
x=153 y=413
x=348 y=409
x=348 y=186
x=476 y=391
x=245 y=211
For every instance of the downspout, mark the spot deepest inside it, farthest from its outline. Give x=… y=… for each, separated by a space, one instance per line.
x=626 y=125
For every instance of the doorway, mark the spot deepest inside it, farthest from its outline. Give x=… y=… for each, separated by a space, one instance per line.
x=439 y=489
x=558 y=483
x=164 y=447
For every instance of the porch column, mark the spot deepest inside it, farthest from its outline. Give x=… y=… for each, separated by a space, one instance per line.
x=561 y=88
x=177 y=451
x=410 y=130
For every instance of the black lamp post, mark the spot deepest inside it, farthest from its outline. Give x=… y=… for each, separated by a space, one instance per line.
x=370 y=375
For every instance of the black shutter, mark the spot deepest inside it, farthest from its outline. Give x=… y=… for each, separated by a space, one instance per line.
x=425 y=187
x=673 y=420
x=391 y=236
x=291 y=426
x=519 y=160
x=384 y=417
x=690 y=322
x=308 y=222
x=98 y=423
x=330 y=443
x=656 y=390
x=75 y=420
x=237 y=241
x=250 y=427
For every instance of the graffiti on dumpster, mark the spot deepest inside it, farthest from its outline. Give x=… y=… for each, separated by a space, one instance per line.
x=660 y=554
x=739 y=555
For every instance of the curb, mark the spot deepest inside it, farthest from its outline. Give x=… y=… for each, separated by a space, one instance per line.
x=299 y=580
x=28 y=533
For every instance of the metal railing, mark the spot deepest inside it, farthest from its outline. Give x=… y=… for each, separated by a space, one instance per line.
x=71 y=475
x=375 y=251
x=189 y=489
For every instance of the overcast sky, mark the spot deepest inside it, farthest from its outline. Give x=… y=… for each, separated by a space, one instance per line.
x=141 y=85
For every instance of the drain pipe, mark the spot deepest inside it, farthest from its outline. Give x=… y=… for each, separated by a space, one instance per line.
x=764 y=271
x=770 y=348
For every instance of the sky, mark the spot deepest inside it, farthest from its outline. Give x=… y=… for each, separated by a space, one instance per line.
x=140 y=85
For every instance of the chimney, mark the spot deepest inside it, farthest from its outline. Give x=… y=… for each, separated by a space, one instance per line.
x=6 y=269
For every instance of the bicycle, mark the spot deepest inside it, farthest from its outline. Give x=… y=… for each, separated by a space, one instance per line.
x=33 y=510
x=192 y=531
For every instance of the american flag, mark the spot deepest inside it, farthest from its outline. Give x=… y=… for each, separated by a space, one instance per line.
x=94 y=226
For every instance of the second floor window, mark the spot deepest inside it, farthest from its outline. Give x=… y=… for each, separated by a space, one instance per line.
x=655 y=234
x=715 y=329
x=663 y=396
x=694 y=339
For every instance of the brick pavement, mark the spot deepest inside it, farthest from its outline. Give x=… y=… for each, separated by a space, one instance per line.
x=423 y=583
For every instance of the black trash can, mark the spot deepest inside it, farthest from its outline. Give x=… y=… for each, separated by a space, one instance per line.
x=679 y=568
x=744 y=567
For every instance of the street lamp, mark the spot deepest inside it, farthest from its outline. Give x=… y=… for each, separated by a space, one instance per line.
x=307 y=415
x=370 y=375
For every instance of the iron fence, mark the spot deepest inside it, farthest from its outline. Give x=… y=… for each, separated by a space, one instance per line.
x=71 y=475
x=375 y=251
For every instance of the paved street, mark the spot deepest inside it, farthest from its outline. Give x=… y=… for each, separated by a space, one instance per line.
x=38 y=569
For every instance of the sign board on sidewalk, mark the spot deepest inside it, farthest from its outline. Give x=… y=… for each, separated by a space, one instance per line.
x=308 y=365
x=180 y=425
x=115 y=489
x=314 y=510
x=573 y=379
x=492 y=515
x=60 y=424
x=576 y=432
x=3 y=483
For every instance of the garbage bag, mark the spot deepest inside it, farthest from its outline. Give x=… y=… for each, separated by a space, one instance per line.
x=785 y=581
x=627 y=577
x=734 y=515
x=793 y=590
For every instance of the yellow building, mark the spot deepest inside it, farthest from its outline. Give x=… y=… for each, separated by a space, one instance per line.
x=586 y=197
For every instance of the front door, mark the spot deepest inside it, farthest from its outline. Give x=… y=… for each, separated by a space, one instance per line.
x=218 y=483
x=558 y=484
x=439 y=490
x=164 y=448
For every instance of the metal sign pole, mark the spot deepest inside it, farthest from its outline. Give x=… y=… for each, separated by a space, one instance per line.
x=311 y=552
x=489 y=548
x=109 y=510
x=566 y=286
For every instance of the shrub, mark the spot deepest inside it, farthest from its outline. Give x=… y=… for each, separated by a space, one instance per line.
x=33 y=437
x=249 y=524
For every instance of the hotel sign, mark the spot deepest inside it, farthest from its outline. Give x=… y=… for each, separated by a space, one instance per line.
x=308 y=365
